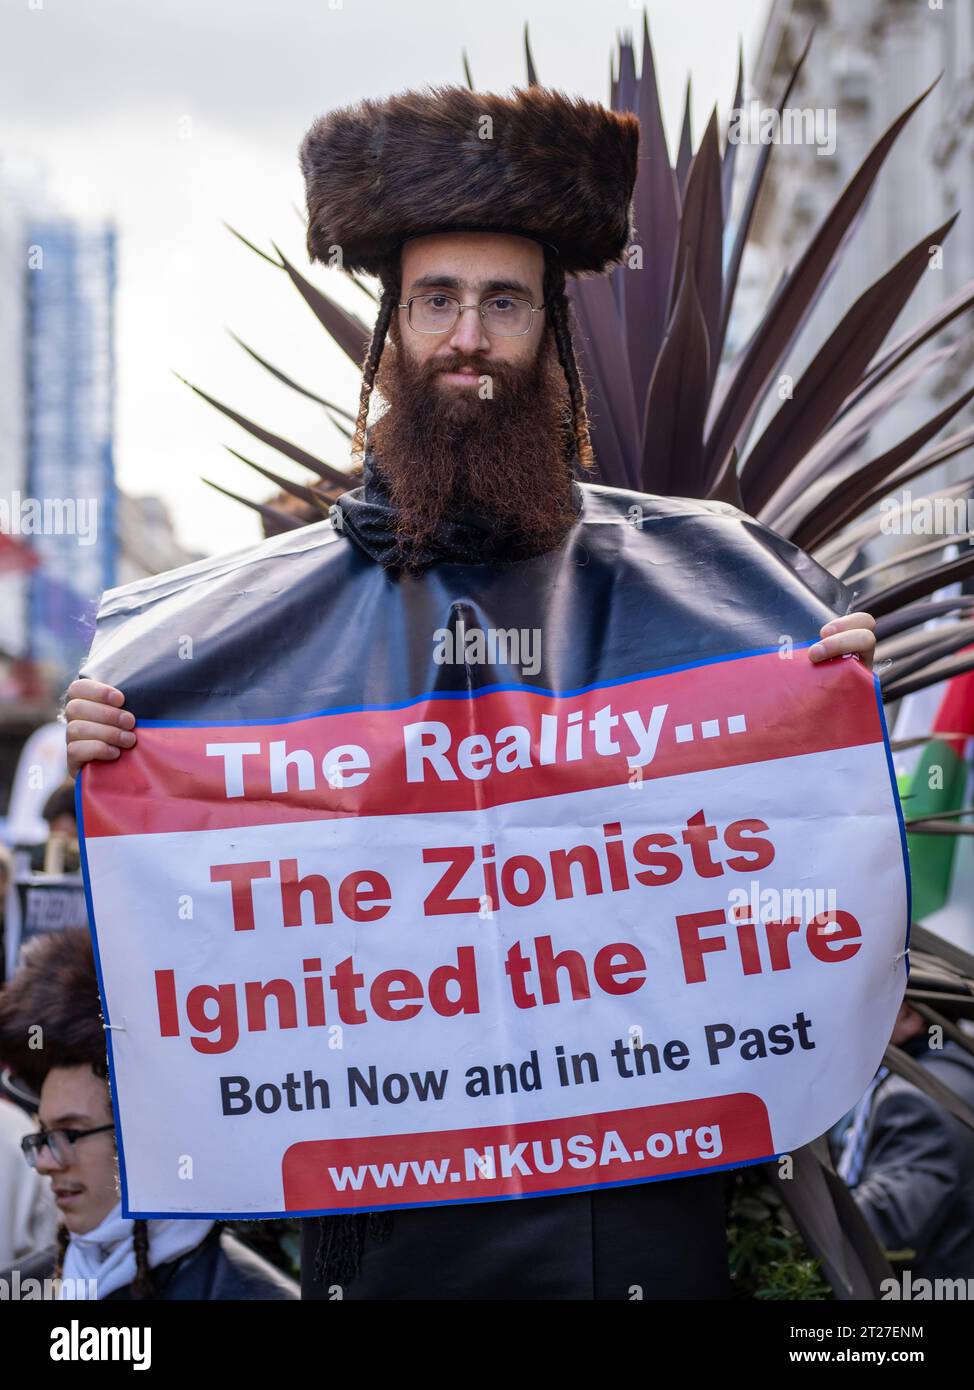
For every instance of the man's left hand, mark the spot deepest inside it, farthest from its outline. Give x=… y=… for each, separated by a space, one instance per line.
x=853 y=633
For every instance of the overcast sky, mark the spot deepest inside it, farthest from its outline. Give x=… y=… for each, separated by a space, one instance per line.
x=171 y=117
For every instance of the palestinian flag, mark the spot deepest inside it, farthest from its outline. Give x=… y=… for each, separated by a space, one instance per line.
x=937 y=783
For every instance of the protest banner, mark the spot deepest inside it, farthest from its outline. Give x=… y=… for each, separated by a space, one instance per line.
x=389 y=911
x=49 y=902
x=480 y=948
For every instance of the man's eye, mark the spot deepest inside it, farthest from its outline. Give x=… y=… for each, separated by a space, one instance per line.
x=502 y=303
x=438 y=301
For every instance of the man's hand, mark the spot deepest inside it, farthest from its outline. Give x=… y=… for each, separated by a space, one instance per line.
x=853 y=633
x=98 y=729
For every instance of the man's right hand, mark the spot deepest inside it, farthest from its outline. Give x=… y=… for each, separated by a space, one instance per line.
x=98 y=728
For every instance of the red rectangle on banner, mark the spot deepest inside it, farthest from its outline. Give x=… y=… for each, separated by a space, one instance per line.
x=523 y=1160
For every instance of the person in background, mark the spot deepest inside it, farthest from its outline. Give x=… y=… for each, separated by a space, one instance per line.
x=6 y=880
x=59 y=811
x=56 y=988
x=28 y=1216
x=910 y=1163
x=61 y=854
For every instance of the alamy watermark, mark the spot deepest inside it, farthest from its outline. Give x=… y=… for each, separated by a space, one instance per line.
x=907 y=515
x=920 y=1290
x=498 y=646
x=75 y=1342
x=50 y=516
x=780 y=904
x=755 y=124
x=14 y=1289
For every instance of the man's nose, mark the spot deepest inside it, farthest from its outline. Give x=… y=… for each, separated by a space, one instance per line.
x=468 y=332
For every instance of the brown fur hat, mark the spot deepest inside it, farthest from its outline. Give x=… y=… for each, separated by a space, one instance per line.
x=55 y=986
x=555 y=168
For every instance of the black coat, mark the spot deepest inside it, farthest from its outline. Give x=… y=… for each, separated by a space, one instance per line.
x=657 y=1240
x=221 y=1267
x=917 y=1184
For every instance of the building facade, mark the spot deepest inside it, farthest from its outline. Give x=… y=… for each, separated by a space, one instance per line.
x=868 y=60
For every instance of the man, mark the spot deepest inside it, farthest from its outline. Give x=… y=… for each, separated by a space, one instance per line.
x=6 y=883
x=59 y=812
x=27 y=1212
x=910 y=1163
x=61 y=851
x=469 y=507
x=54 y=998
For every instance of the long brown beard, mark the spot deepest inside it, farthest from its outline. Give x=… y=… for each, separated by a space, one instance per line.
x=445 y=450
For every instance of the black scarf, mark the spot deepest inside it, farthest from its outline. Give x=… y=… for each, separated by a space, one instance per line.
x=468 y=536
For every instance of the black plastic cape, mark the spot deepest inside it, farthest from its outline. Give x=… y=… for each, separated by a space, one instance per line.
x=311 y=619
x=316 y=618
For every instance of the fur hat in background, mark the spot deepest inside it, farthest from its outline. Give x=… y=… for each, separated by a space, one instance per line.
x=539 y=163
x=55 y=986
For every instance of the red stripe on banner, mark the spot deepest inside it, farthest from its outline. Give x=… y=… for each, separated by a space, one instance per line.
x=956 y=712
x=501 y=747
x=514 y=1160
